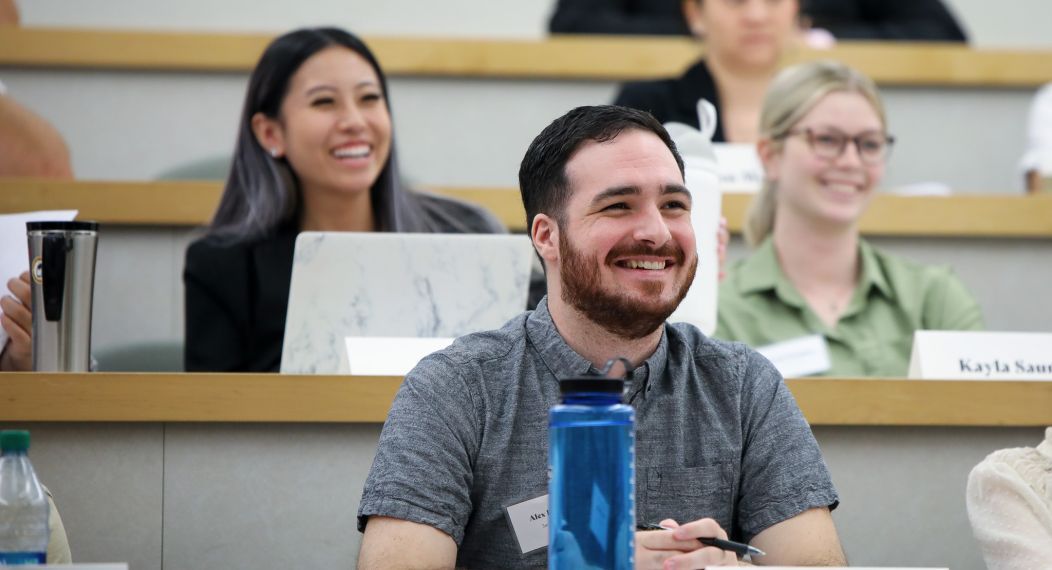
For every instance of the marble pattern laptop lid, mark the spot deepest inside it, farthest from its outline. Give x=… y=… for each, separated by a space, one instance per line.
x=397 y=285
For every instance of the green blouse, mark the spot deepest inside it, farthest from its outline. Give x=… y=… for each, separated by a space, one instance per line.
x=759 y=306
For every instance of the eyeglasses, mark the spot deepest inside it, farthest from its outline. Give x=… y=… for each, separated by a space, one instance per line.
x=873 y=148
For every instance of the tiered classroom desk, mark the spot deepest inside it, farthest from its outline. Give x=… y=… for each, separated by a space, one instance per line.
x=265 y=471
x=262 y=471
x=997 y=243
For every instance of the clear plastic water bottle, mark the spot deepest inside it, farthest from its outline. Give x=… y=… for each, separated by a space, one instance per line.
x=23 y=504
x=591 y=493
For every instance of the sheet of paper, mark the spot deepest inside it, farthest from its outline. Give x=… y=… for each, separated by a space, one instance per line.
x=798 y=357
x=14 y=255
x=976 y=355
x=389 y=356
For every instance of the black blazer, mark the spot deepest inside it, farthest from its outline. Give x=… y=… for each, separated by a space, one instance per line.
x=675 y=99
x=915 y=20
x=237 y=295
x=237 y=292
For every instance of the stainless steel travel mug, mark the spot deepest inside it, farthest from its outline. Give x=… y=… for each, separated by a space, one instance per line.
x=62 y=283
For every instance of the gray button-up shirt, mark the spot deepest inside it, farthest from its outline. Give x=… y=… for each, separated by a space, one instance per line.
x=718 y=435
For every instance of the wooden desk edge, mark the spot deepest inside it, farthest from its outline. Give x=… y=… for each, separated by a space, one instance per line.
x=191 y=203
x=555 y=57
x=131 y=397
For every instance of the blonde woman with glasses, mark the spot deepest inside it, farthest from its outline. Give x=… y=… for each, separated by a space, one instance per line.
x=824 y=144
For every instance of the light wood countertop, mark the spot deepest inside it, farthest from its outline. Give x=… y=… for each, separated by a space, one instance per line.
x=556 y=57
x=129 y=397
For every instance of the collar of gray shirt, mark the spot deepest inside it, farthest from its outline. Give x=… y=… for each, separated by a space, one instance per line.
x=563 y=362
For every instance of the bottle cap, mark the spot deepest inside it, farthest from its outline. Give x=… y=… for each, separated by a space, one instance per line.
x=592 y=384
x=14 y=440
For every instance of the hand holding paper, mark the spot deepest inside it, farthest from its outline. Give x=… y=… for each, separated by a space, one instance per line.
x=17 y=323
x=14 y=260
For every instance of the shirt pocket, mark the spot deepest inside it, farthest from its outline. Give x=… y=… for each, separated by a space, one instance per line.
x=686 y=494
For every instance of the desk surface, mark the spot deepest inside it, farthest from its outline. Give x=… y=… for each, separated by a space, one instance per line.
x=559 y=57
x=192 y=204
x=126 y=397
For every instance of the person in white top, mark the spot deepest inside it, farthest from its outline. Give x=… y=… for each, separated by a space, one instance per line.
x=1037 y=160
x=1010 y=506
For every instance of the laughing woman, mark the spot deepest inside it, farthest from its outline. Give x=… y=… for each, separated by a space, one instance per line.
x=315 y=151
x=824 y=144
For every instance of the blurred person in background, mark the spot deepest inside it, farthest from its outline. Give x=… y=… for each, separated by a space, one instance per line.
x=908 y=20
x=744 y=44
x=1009 y=500
x=824 y=144
x=30 y=147
x=1037 y=161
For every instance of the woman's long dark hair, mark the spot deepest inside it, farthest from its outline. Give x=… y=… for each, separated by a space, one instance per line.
x=262 y=192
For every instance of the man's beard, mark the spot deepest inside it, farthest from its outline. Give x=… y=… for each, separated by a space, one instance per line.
x=621 y=315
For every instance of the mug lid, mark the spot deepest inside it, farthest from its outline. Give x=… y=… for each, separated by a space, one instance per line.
x=62 y=226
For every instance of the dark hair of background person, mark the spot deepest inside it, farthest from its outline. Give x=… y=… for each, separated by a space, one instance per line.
x=904 y=20
x=542 y=174
x=262 y=192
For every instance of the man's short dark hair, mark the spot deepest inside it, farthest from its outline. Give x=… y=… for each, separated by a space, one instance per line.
x=542 y=174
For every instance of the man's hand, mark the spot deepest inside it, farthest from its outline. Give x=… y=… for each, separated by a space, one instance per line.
x=680 y=548
x=17 y=320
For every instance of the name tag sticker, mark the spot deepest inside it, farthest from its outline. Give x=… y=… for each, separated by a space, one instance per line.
x=965 y=355
x=796 y=357
x=529 y=523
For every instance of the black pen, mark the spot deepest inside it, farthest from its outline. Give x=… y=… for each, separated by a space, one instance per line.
x=728 y=545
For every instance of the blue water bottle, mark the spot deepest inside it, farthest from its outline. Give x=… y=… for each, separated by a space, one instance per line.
x=591 y=493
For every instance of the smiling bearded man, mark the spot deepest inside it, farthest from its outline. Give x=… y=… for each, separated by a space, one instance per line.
x=721 y=448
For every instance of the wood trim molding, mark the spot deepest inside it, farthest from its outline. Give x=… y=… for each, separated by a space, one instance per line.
x=126 y=397
x=192 y=204
x=557 y=57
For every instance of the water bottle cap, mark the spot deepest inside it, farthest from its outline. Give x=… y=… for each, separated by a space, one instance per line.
x=594 y=384
x=14 y=440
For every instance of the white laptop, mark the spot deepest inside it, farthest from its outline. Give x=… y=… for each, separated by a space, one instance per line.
x=347 y=284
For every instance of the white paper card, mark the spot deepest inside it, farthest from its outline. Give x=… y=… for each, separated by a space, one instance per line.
x=832 y=568
x=14 y=255
x=798 y=357
x=968 y=355
x=389 y=356
x=740 y=168
x=529 y=523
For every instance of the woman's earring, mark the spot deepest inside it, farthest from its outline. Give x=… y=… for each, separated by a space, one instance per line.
x=274 y=152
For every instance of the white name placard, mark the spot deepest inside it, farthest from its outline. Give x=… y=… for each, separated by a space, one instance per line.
x=798 y=357
x=740 y=169
x=960 y=355
x=389 y=356
x=529 y=521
